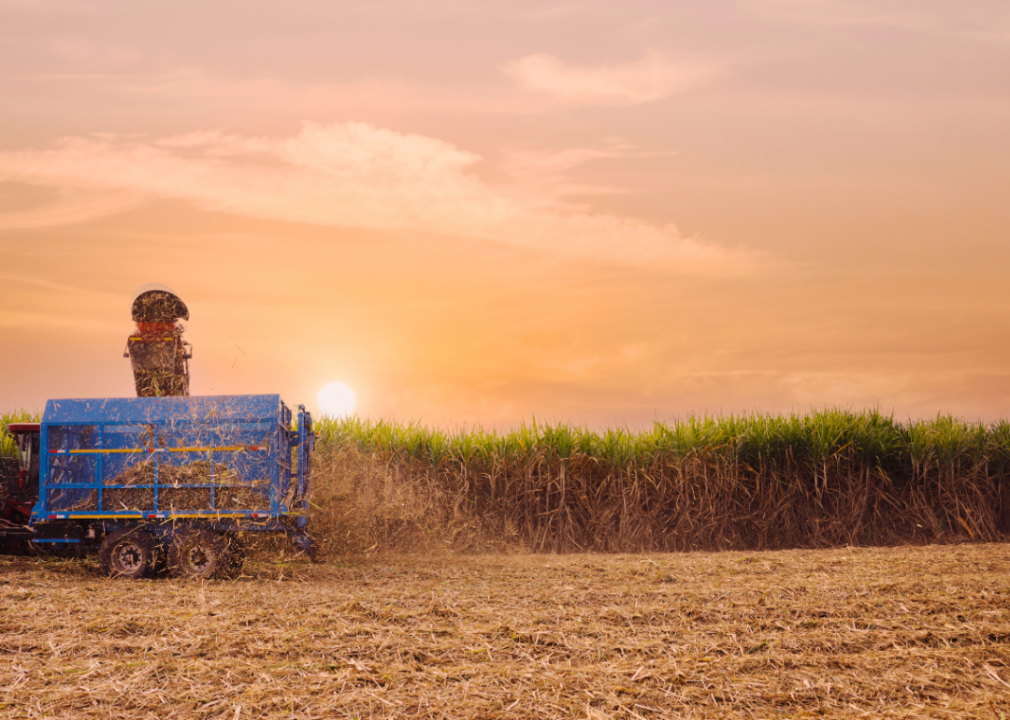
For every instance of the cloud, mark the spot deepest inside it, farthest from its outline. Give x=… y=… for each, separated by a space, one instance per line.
x=43 y=7
x=558 y=161
x=354 y=175
x=651 y=78
x=67 y=207
x=938 y=19
x=544 y=175
x=368 y=95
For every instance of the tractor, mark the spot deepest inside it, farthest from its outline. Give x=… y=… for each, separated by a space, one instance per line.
x=162 y=481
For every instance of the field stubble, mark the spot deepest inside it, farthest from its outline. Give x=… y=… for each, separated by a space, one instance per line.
x=848 y=632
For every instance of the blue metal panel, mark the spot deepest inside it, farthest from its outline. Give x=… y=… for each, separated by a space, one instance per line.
x=210 y=408
x=149 y=458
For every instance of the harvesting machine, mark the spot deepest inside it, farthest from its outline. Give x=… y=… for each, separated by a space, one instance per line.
x=162 y=480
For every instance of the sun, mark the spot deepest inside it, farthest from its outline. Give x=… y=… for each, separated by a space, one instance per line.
x=336 y=400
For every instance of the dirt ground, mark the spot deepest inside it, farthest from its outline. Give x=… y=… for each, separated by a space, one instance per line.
x=909 y=632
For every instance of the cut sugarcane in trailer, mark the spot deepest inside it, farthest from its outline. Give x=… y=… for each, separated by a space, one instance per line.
x=163 y=480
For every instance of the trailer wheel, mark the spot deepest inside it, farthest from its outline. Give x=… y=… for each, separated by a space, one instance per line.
x=129 y=552
x=198 y=554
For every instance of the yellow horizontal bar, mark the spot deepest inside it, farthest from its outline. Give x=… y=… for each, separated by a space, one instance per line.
x=136 y=516
x=209 y=516
x=139 y=515
x=230 y=448
x=223 y=448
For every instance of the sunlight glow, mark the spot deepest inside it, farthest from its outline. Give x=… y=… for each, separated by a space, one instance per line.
x=336 y=400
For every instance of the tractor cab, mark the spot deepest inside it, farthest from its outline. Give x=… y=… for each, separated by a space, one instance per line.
x=20 y=492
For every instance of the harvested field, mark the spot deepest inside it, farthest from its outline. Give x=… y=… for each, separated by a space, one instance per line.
x=847 y=632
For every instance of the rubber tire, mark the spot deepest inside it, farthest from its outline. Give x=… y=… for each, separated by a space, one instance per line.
x=197 y=554
x=128 y=553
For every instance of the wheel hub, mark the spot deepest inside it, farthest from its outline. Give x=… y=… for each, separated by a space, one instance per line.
x=199 y=558
x=129 y=557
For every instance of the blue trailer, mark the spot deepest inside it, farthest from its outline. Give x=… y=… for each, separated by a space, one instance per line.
x=171 y=482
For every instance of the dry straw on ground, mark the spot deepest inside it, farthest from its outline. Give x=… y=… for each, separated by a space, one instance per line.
x=899 y=632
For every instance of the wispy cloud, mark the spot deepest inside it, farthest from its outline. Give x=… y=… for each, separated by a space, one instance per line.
x=43 y=7
x=941 y=19
x=372 y=93
x=649 y=79
x=555 y=163
x=544 y=176
x=356 y=175
x=67 y=207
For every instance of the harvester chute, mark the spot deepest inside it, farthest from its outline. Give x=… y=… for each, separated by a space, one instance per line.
x=157 y=352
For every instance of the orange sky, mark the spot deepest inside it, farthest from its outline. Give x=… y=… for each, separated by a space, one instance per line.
x=481 y=212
